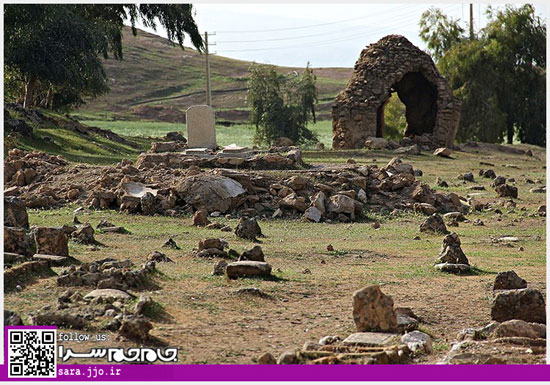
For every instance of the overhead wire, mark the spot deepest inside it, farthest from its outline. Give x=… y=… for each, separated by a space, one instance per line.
x=347 y=37
x=302 y=27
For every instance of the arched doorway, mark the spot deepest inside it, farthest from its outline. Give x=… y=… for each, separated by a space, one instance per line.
x=420 y=99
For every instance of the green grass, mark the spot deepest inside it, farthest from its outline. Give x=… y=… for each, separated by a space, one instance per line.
x=240 y=134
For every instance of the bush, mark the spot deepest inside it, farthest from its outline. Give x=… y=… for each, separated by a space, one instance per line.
x=281 y=105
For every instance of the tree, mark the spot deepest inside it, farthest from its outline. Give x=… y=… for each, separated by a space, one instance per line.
x=53 y=52
x=439 y=32
x=499 y=76
x=281 y=105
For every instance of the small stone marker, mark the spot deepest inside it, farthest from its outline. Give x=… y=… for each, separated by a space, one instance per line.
x=201 y=127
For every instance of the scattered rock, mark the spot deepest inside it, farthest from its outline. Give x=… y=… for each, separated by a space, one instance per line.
x=373 y=310
x=313 y=214
x=12 y=319
x=211 y=192
x=509 y=280
x=248 y=269
x=523 y=304
x=519 y=328
x=200 y=218
x=498 y=181
x=490 y=174
x=254 y=254
x=15 y=213
x=51 y=241
x=288 y=358
x=374 y=143
x=435 y=224
x=53 y=260
x=219 y=268
x=451 y=251
x=468 y=177
x=443 y=152
x=135 y=328
x=504 y=191
x=408 y=150
x=478 y=222
x=62 y=319
x=267 y=359
x=418 y=342
x=254 y=291
x=248 y=228
x=158 y=257
x=170 y=243
x=142 y=304
x=84 y=235
x=440 y=182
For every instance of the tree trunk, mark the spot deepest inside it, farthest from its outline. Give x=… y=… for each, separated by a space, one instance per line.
x=510 y=131
x=29 y=91
x=50 y=99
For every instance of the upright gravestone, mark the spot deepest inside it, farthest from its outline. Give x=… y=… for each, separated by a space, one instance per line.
x=201 y=127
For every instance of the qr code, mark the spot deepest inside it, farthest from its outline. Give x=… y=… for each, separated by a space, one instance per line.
x=32 y=353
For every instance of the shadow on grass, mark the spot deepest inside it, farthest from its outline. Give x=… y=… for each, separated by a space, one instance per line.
x=271 y=278
x=157 y=313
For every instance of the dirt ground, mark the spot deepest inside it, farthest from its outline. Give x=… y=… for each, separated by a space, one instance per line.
x=310 y=296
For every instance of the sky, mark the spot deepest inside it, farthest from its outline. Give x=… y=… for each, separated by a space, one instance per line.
x=325 y=35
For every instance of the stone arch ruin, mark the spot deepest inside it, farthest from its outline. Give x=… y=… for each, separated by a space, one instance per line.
x=394 y=64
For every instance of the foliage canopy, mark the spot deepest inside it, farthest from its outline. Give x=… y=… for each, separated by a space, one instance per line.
x=52 y=52
x=500 y=75
x=281 y=105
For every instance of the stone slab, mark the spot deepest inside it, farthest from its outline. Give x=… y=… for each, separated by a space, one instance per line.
x=370 y=339
x=53 y=260
x=108 y=293
x=248 y=269
x=201 y=127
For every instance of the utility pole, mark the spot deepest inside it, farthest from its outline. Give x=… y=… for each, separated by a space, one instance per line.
x=208 y=89
x=471 y=22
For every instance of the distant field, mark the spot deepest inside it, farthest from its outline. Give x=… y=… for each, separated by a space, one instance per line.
x=240 y=134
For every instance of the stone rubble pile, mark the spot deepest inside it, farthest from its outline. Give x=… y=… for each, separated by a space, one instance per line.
x=316 y=195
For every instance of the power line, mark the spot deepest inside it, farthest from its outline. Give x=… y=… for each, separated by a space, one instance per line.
x=396 y=21
x=304 y=27
x=404 y=12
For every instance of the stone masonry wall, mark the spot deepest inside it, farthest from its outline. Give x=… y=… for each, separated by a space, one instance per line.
x=379 y=68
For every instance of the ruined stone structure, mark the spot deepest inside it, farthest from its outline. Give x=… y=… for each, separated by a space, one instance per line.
x=394 y=64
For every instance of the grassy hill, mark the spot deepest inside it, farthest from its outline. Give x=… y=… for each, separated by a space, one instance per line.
x=159 y=81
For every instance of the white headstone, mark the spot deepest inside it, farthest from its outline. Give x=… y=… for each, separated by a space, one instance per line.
x=201 y=127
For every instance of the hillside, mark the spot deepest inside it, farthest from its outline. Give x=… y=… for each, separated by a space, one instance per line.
x=159 y=81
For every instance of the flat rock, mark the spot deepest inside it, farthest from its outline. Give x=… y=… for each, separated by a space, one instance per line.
x=455 y=268
x=108 y=293
x=248 y=269
x=370 y=339
x=53 y=260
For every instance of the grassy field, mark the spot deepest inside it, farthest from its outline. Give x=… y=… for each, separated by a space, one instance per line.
x=240 y=134
x=311 y=294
